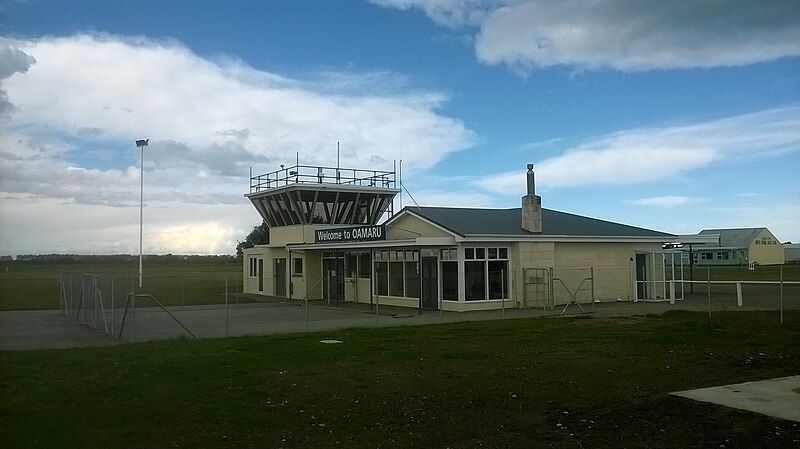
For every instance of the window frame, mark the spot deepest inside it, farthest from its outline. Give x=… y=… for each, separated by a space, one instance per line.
x=487 y=255
x=295 y=272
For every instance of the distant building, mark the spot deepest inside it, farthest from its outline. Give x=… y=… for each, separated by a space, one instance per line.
x=740 y=247
x=791 y=252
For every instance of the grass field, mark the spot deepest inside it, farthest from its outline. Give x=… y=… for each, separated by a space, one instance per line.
x=35 y=286
x=520 y=383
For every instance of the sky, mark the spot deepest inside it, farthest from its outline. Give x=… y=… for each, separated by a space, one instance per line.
x=675 y=116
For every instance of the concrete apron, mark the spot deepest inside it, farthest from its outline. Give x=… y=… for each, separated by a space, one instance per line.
x=779 y=398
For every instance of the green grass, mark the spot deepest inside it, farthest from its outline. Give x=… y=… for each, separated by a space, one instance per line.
x=517 y=383
x=761 y=273
x=36 y=286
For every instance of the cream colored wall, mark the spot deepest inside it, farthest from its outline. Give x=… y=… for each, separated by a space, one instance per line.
x=766 y=254
x=409 y=227
x=280 y=236
x=250 y=284
x=269 y=255
x=614 y=272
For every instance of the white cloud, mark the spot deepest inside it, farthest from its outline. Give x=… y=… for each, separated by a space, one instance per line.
x=666 y=201
x=635 y=36
x=651 y=154
x=451 y=13
x=780 y=218
x=67 y=148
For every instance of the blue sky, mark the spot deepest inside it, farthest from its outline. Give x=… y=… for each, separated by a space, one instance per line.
x=658 y=116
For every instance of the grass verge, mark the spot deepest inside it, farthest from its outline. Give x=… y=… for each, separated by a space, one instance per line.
x=518 y=383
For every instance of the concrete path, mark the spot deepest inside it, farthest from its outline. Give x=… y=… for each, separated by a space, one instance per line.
x=779 y=398
x=38 y=329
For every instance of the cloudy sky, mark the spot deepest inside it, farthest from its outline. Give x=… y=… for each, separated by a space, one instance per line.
x=677 y=118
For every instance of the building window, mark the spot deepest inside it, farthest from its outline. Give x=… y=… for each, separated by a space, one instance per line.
x=253 y=267
x=297 y=270
x=399 y=275
x=449 y=280
x=350 y=265
x=412 y=279
x=486 y=274
x=474 y=280
x=498 y=279
x=364 y=262
x=449 y=254
x=382 y=278
x=395 y=278
x=758 y=242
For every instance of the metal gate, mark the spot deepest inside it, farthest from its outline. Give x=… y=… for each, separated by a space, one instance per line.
x=537 y=287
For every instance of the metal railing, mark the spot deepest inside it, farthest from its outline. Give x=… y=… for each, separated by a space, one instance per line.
x=316 y=174
x=130 y=303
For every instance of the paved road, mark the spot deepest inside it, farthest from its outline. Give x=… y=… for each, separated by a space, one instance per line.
x=50 y=329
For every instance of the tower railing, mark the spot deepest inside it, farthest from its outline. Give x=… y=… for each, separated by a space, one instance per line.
x=317 y=174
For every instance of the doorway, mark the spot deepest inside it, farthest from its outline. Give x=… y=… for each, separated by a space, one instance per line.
x=333 y=278
x=280 y=277
x=261 y=275
x=641 y=276
x=430 y=284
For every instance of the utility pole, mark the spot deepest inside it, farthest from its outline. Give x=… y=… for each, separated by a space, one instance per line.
x=141 y=144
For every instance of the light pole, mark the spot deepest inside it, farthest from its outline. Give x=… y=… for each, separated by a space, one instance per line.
x=141 y=144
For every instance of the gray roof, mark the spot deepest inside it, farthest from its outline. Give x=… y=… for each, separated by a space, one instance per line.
x=469 y=221
x=735 y=238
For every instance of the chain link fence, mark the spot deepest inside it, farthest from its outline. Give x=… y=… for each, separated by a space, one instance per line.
x=208 y=302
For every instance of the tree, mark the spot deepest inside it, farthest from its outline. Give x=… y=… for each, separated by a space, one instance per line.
x=258 y=236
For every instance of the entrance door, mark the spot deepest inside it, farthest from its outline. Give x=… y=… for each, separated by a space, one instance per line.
x=280 y=277
x=430 y=284
x=260 y=275
x=641 y=276
x=333 y=279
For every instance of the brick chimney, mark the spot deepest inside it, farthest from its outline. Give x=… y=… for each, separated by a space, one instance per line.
x=531 y=206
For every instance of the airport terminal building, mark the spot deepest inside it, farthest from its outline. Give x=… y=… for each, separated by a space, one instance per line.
x=334 y=236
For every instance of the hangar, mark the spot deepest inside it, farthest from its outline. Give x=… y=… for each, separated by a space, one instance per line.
x=740 y=246
x=334 y=236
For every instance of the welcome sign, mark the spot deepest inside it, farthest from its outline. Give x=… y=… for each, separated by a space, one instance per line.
x=353 y=234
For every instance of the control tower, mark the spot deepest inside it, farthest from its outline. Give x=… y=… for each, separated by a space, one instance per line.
x=319 y=195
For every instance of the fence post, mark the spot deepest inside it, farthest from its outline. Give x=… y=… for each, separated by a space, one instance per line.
x=708 y=285
x=181 y=290
x=61 y=297
x=377 y=311
x=113 y=311
x=591 y=274
x=739 y=294
x=133 y=318
x=502 y=296
x=781 y=294
x=226 y=307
